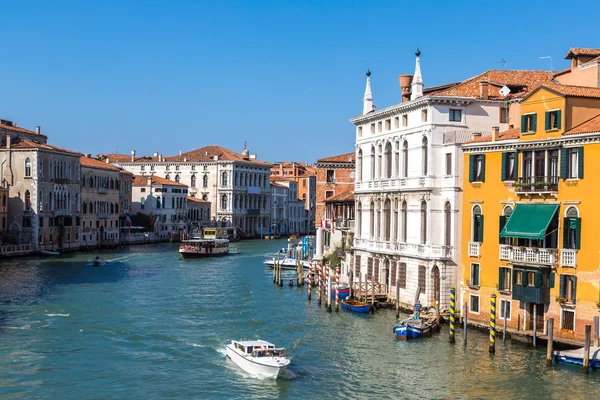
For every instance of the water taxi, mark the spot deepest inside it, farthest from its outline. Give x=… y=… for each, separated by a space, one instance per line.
x=258 y=357
x=196 y=247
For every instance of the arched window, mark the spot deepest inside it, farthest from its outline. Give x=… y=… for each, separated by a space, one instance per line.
x=205 y=181
x=379 y=162
x=3 y=200
x=168 y=177
x=424 y=155
x=112 y=208
x=477 y=225
x=394 y=234
x=116 y=208
x=158 y=202
x=172 y=202
x=28 y=167
x=359 y=220
x=224 y=178
x=423 y=222
x=372 y=220
x=572 y=229
x=404 y=217
x=204 y=196
x=372 y=162
x=193 y=181
x=177 y=178
x=359 y=165
x=27 y=200
x=84 y=208
x=224 y=202
x=447 y=224
x=397 y=159
x=388 y=160
x=405 y=159
x=386 y=219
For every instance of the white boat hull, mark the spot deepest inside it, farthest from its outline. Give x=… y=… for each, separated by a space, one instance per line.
x=287 y=263
x=253 y=367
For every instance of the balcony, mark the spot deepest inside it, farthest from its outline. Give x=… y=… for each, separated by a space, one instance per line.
x=528 y=255
x=392 y=247
x=531 y=294
x=536 y=185
x=568 y=257
x=474 y=249
x=344 y=224
x=102 y=190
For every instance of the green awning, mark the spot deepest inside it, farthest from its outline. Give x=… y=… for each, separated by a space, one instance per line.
x=529 y=221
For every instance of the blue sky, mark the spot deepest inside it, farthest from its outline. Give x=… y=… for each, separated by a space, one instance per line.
x=285 y=76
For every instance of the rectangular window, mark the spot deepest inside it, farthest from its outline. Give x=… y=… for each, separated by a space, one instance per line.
x=477 y=168
x=528 y=123
x=518 y=277
x=530 y=278
x=573 y=163
x=405 y=120
x=402 y=275
x=41 y=222
x=448 y=164
x=328 y=193
x=567 y=318
x=26 y=222
x=359 y=131
x=474 y=281
x=330 y=178
x=142 y=168
x=424 y=116
x=388 y=124
x=397 y=122
x=373 y=128
x=379 y=126
x=552 y=120
x=304 y=183
x=177 y=168
x=503 y=115
x=509 y=166
x=167 y=167
x=474 y=304
x=152 y=168
x=568 y=286
x=422 y=278
x=455 y=115
x=504 y=279
x=505 y=306
x=143 y=190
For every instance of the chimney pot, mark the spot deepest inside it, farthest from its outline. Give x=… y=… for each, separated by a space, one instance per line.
x=37 y=129
x=475 y=135
x=495 y=132
x=405 y=82
x=88 y=155
x=8 y=141
x=484 y=90
x=132 y=155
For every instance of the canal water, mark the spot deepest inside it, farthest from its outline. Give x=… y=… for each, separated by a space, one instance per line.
x=149 y=325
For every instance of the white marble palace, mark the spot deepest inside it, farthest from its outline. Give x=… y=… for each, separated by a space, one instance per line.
x=236 y=184
x=409 y=174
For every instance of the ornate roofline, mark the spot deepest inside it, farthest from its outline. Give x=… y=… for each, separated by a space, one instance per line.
x=515 y=144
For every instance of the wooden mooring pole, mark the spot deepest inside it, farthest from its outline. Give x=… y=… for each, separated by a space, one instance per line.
x=596 y=330
x=452 y=311
x=550 y=344
x=309 y=282
x=373 y=294
x=465 y=320
x=586 y=349
x=534 y=324
x=397 y=300
x=504 y=322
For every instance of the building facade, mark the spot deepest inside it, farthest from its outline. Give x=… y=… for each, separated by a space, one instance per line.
x=236 y=185
x=294 y=218
x=335 y=175
x=198 y=214
x=306 y=177
x=164 y=201
x=409 y=176
x=530 y=215
x=125 y=199
x=101 y=203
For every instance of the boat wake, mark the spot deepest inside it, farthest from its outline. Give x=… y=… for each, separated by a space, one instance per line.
x=59 y=315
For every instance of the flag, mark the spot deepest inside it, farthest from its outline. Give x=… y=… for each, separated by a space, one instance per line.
x=127 y=220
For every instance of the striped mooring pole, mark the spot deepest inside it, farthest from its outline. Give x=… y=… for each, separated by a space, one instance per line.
x=493 y=324
x=452 y=311
x=309 y=281
x=337 y=289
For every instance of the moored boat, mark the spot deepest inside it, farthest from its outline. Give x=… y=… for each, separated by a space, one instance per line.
x=286 y=263
x=53 y=252
x=99 y=261
x=197 y=248
x=344 y=291
x=258 y=357
x=356 y=306
x=576 y=357
x=416 y=326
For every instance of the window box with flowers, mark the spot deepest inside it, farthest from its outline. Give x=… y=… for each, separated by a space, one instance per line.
x=561 y=300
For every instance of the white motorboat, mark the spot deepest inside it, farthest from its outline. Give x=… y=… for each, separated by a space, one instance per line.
x=52 y=252
x=287 y=263
x=258 y=357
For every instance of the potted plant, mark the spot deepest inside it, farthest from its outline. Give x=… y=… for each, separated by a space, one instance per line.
x=561 y=300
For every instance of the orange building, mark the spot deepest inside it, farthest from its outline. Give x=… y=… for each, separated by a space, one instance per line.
x=306 y=177
x=335 y=175
x=535 y=188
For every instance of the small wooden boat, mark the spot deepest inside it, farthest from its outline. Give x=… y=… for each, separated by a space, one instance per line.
x=411 y=328
x=344 y=291
x=99 y=261
x=53 y=252
x=356 y=306
x=576 y=357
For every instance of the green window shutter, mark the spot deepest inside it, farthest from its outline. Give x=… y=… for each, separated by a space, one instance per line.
x=480 y=233
x=547 y=120
x=580 y=162
x=574 y=297
x=523 y=121
x=562 y=289
x=514 y=278
x=551 y=281
x=534 y=123
x=472 y=168
x=502 y=223
x=501 y=279
x=558 y=119
x=516 y=171
x=504 y=166
x=483 y=167
x=565 y=233
x=564 y=163
x=577 y=233
x=537 y=279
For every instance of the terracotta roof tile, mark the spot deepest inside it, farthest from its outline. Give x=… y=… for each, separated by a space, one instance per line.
x=197 y=200
x=348 y=195
x=574 y=91
x=582 y=51
x=19 y=129
x=94 y=163
x=28 y=144
x=347 y=157
x=592 y=125
x=513 y=133
x=140 y=180
x=519 y=81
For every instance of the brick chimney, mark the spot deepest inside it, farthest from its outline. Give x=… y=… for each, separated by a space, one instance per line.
x=484 y=90
x=495 y=132
x=405 y=82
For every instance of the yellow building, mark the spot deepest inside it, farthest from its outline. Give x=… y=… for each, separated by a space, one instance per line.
x=535 y=188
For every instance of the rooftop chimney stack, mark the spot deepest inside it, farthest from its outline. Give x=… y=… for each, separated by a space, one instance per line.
x=495 y=132
x=37 y=129
x=155 y=154
x=8 y=142
x=484 y=90
x=405 y=82
x=132 y=155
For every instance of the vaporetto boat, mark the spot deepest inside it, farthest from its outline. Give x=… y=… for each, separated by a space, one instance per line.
x=258 y=357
